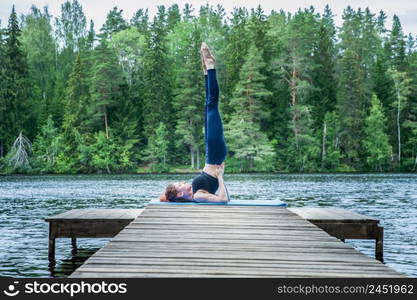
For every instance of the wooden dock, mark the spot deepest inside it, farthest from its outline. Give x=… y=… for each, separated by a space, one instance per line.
x=227 y=241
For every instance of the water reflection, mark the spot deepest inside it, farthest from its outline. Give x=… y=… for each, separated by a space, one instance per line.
x=65 y=267
x=26 y=200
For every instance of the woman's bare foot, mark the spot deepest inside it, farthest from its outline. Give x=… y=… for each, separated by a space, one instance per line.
x=203 y=63
x=208 y=57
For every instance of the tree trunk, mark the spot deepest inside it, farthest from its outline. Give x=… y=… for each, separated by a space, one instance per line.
x=198 y=157
x=323 y=151
x=399 y=129
x=1 y=149
x=192 y=157
x=105 y=122
x=250 y=164
x=293 y=84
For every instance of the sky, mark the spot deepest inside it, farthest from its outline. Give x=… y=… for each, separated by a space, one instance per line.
x=98 y=9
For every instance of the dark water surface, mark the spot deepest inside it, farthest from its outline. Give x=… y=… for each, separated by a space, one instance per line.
x=26 y=200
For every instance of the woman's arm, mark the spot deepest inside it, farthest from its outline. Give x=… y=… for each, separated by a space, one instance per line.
x=222 y=196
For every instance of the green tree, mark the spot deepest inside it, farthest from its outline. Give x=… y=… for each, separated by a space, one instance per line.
x=3 y=100
x=39 y=45
x=129 y=45
x=402 y=91
x=77 y=98
x=397 y=44
x=157 y=97
x=140 y=20
x=106 y=86
x=237 y=46
x=70 y=32
x=250 y=146
x=353 y=87
x=157 y=150
x=114 y=22
x=188 y=98
x=323 y=97
x=16 y=112
x=46 y=147
x=331 y=153
x=303 y=147
x=376 y=140
x=103 y=152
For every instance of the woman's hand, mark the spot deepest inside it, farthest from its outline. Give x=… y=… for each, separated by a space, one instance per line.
x=220 y=170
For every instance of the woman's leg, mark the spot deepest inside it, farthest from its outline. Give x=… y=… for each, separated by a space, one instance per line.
x=215 y=144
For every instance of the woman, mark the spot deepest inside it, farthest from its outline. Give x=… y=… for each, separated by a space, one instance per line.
x=205 y=185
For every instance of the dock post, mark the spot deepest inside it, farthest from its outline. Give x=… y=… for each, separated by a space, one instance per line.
x=51 y=246
x=74 y=243
x=379 y=244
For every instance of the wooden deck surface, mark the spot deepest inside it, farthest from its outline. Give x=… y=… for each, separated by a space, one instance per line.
x=222 y=241
x=90 y=214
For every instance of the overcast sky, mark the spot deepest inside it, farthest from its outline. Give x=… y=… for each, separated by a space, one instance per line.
x=98 y=9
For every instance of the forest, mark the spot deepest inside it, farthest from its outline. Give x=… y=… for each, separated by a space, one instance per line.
x=298 y=93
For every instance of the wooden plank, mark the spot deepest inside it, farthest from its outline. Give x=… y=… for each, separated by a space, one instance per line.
x=232 y=262
x=329 y=215
x=96 y=214
x=236 y=271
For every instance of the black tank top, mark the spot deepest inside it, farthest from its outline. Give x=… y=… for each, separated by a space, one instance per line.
x=205 y=182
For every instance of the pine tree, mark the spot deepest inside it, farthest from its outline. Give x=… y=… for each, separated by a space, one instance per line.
x=304 y=148
x=3 y=107
x=354 y=87
x=249 y=145
x=16 y=84
x=376 y=140
x=103 y=152
x=157 y=81
x=236 y=50
x=323 y=97
x=106 y=86
x=189 y=99
x=279 y=104
x=114 y=22
x=71 y=34
x=77 y=98
x=397 y=44
x=140 y=20
x=157 y=149
x=173 y=17
x=46 y=147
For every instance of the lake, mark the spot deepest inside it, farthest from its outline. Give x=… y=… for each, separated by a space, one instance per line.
x=26 y=200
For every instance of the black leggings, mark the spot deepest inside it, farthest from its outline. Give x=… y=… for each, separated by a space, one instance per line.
x=216 y=149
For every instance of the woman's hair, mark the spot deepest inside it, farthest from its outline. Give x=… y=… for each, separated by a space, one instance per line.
x=171 y=195
x=171 y=192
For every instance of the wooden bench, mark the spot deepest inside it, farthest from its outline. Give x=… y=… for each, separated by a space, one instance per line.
x=345 y=224
x=88 y=223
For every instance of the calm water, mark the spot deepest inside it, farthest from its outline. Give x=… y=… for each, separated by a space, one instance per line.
x=26 y=200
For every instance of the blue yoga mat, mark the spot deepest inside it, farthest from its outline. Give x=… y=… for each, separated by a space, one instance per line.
x=230 y=203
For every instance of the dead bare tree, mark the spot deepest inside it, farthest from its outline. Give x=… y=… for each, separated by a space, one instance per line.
x=18 y=157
